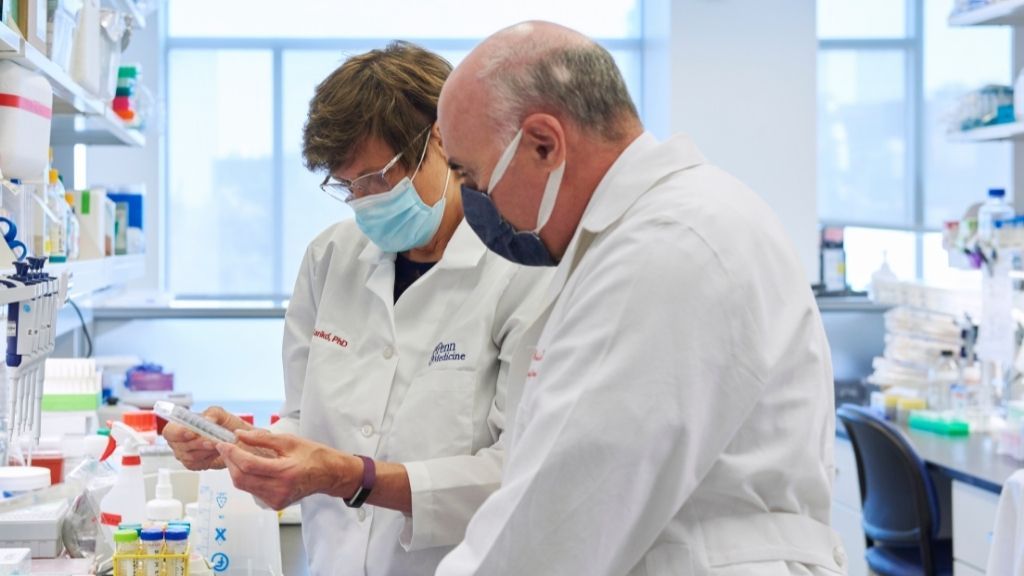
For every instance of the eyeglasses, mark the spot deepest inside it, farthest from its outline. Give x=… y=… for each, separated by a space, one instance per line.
x=365 y=185
x=368 y=184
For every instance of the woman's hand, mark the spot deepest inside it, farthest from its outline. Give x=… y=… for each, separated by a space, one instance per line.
x=196 y=452
x=298 y=468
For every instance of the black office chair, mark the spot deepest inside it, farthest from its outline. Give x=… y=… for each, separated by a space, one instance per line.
x=900 y=506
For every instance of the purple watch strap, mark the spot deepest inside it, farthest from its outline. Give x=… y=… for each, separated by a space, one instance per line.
x=369 y=480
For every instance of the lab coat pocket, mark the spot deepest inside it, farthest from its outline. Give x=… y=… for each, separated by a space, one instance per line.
x=436 y=417
x=665 y=558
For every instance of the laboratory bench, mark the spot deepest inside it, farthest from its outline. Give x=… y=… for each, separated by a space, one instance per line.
x=969 y=476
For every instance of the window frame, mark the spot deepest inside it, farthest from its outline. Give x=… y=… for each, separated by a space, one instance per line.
x=277 y=46
x=912 y=46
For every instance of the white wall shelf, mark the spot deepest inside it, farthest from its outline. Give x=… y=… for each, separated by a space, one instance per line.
x=10 y=41
x=92 y=121
x=999 y=13
x=1014 y=131
x=91 y=276
x=107 y=129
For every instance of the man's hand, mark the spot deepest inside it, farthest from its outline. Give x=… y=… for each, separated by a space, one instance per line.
x=301 y=467
x=196 y=452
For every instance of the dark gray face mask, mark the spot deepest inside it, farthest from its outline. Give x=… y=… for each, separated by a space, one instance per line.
x=500 y=237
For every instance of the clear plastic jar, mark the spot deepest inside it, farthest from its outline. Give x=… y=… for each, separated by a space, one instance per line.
x=127 y=543
x=152 y=540
x=177 y=543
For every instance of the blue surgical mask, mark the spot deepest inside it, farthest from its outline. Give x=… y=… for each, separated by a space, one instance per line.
x=398 y=220
x=521 y=247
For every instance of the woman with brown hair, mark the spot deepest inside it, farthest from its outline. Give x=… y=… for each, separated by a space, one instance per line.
x=397 y=342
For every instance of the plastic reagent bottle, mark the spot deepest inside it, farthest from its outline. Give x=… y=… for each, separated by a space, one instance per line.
x=995 y=208
x=126 y=501
x=164 y=507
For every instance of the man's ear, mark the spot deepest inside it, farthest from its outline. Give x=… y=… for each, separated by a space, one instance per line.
x=545 y=140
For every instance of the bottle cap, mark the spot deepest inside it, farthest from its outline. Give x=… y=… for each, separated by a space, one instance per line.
x=996 y=192
x=142 y=421
x=126 y=535
x=176 y=533
x=151 y=534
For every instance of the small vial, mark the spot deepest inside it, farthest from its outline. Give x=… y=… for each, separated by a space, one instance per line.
x=152 y=545
x=177 y=545
x=127 y=544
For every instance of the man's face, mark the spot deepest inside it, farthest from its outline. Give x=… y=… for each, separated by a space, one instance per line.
x=469 y=142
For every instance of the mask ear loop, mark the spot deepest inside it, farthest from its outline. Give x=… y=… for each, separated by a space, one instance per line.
x=547 y=202
x=447 y=181
x=504 y=161
x=422 y=154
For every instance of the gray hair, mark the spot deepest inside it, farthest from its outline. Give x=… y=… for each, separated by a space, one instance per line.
x=579 y=80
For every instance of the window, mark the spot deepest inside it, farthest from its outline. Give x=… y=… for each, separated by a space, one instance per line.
x=890 y=72
x=237 y=101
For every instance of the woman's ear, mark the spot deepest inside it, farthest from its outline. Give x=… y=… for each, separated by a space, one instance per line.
x=435 y=133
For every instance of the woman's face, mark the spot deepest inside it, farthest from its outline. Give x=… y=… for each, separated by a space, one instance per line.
x=375 y=170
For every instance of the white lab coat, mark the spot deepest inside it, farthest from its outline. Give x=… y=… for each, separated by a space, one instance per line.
x=677 y=414
x=420 y=382
x=1007 y=555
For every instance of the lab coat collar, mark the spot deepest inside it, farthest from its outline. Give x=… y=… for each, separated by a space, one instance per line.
x=640 y=166
x=464 y=250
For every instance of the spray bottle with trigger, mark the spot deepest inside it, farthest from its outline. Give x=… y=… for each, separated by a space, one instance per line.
x=126 y=501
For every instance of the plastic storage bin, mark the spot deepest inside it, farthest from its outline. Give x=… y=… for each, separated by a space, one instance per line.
x=26 y=108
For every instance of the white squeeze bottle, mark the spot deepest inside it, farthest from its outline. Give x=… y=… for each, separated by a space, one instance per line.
x=164 y=507
x=126 y=501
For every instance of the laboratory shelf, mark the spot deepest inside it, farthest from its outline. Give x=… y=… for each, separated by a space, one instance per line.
x=191 y=310
x=79 y=116
x=91 y=276
x=107 y=129
x=1014 y=131
x=10 y=40
x=998 y=13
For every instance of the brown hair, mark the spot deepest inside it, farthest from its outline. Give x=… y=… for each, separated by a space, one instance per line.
x=389 y=94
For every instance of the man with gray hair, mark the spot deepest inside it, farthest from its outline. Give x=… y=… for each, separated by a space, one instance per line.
x=674 y=413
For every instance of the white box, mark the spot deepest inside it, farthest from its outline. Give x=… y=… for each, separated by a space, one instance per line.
x=15 y=561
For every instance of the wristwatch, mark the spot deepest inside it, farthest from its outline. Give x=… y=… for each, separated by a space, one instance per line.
x=369 y=479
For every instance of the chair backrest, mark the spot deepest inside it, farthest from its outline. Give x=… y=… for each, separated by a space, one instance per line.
x=900 y=505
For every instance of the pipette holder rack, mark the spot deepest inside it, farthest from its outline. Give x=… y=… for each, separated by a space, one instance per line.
x=31 y=300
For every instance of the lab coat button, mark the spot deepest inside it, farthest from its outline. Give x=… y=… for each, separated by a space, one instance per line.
x=366 y=430
x=839 y=555
x=361 y=514
x=388 y=353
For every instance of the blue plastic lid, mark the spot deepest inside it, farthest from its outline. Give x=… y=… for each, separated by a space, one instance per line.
x=152 y=534
x=176 y=533
x=136 y=527
x=996 y=192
